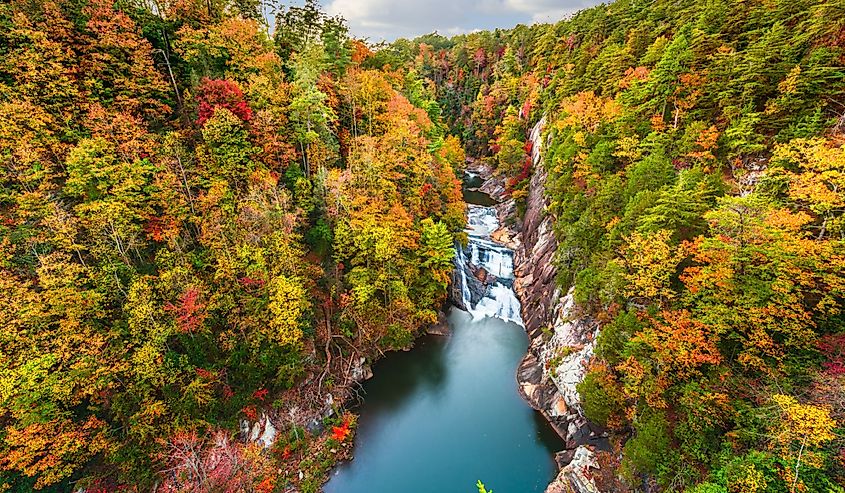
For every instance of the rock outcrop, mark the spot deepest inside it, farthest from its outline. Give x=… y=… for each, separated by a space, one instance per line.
x=578 y=474
x=441 y=328
x=477 y=284
x=261 y=432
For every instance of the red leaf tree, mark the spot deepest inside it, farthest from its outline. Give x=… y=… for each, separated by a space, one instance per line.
x=221 y=93
x=190 y=312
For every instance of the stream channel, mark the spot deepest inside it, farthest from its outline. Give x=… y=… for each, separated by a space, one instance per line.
x=442 y=416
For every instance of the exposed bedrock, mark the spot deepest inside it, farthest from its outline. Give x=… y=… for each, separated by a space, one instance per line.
x=562 y=340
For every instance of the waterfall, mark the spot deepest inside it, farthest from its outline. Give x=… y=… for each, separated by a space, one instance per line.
x=465 y=292
x=487 y=294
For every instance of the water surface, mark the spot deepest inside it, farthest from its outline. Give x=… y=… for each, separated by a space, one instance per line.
x=438 y=418
x=472 y=195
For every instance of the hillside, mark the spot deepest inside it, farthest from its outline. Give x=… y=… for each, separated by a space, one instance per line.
x=695 y=184
x=210 y=228
x=202 y=224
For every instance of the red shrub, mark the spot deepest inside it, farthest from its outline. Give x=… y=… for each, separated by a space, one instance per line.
x=260 y=394
x=340 y=433
x=833 y=348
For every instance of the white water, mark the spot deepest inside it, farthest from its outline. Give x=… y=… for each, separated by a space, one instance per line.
x=495 y=259
x=500 y=303
x=481 y=221
x=500 y=300
x=462 y=259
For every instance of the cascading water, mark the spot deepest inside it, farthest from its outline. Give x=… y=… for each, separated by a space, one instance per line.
x=486 y=269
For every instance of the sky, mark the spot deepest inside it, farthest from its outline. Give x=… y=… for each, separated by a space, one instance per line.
x=390 y=19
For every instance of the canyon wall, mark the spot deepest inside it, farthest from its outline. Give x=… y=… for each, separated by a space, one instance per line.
x=562 y=340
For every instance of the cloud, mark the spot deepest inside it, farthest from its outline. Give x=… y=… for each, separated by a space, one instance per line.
x=388 y=19
x=548 y=10
x=391 y=19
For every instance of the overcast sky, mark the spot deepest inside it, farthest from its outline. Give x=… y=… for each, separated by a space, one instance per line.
x=391 y=19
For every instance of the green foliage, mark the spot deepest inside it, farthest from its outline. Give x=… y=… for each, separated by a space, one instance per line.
x=229 y=147
x=649 y=449
x=179 y=252
x=707 y=488
x=711 y=275
x=601 y=399
x=482 y=488
x=613 y=340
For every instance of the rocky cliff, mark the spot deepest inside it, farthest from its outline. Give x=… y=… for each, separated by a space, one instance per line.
x=562 y=341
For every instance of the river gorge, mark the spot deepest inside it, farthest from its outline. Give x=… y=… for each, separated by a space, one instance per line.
x=449 y=413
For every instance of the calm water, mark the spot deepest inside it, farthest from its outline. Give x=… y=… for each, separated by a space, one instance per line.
x=472 y=195
x=438 y=418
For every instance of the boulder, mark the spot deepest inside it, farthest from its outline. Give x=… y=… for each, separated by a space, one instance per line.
x=576 y=476
x=361 y=370
x=261 y=432
x=314 y=426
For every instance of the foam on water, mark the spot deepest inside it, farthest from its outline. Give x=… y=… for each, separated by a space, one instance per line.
x=495 y=259
x=500 y=303
x=481 y=221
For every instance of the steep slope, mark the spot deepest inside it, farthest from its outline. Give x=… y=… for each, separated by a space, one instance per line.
x=692 y=181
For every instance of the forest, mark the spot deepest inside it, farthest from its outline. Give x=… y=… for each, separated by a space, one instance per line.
x=206 y=217
x=696 y=178
x=201 y=221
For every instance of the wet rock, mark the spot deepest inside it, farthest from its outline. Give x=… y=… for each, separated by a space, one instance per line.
x=441 y=328
x=495 y=188
x=563 y=458
x=479 y=168
x=529 y=375
x=493 y=184
x=456 y=296
x=477 y=288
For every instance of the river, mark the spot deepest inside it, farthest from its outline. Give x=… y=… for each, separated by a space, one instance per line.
x=446 y=414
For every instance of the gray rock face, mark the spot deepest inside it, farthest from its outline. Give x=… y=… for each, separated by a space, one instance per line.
x=534 y=262
x=495 y=187
x=261 y=432
x=562 y=341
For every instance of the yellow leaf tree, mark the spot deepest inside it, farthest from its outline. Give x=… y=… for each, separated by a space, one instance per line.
x=804 y=426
